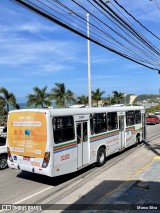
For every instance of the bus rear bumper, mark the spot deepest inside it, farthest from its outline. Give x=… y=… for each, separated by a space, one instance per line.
x=38 y=170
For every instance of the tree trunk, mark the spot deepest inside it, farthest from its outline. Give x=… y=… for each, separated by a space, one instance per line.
x=7 y=107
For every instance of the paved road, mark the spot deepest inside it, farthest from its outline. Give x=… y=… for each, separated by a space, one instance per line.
x=23 y=187
x=153 y=130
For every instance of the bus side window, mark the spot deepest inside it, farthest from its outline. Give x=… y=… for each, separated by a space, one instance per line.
x=91 y=124
x=137 y=116
x=112 y=122
x=100 y=124
x=85 y=132
x=130 y=118
x=78 y=133
x=63 y=129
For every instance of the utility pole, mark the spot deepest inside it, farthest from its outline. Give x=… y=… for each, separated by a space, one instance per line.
x=89 y=65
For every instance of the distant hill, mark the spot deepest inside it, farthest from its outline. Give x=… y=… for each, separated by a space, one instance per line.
x=141 y=98
x=148 y=97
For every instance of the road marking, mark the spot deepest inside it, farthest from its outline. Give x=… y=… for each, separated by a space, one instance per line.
x=111 y=192
x=156 y=158
x=37 y=193
x=26 y=198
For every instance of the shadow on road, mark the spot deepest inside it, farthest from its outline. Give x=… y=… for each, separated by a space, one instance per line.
x=53 y=181
x=137 y=194
x=155 y=148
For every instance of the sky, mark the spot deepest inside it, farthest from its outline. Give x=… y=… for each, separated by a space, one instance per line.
x=37 y=52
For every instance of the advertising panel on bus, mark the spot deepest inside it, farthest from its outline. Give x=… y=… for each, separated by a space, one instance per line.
x=27 y=133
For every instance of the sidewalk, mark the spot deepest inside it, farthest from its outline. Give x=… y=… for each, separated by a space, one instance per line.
x=143 y=192
x=131 y=184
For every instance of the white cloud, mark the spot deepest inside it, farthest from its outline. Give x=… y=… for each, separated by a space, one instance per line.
x=98 y=77
x=143 y=10
x=98 y=59
x=102 y=59
x=105 y=77
x=132 y=66
x=46 y=69
x=15 y=52
x=152 y=16
x=28 y=27
x=9 y=80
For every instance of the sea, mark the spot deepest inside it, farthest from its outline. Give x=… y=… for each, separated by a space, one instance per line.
x=24 y=106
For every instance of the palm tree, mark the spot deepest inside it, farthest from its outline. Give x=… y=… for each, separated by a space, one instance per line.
x=109 y=101
x=118 y=96
x=61 y=95
x=8 y=99
x=40 y=97
x=82 y=100
x=2 y=102
x=97 y=95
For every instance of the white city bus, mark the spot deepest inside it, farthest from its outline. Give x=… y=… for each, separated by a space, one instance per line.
x=55 y=142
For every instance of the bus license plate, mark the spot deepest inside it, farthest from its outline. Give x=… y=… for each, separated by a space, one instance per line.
x=26 y=158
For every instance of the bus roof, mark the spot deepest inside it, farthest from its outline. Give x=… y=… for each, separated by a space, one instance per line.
x=77 y=111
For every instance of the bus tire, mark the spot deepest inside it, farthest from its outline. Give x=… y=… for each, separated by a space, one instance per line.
x=3 y=162
x=101 y=157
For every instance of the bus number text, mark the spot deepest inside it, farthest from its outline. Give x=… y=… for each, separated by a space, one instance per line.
x=65 y=157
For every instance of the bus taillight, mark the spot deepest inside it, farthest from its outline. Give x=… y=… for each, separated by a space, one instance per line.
x=46 y=159
x=9 y=154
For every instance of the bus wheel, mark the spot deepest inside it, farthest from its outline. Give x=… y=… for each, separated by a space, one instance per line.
x=3 y=162
x=101 y=157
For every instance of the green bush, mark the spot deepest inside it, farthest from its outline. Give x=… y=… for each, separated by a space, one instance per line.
x=153 y=109
x=3 y=115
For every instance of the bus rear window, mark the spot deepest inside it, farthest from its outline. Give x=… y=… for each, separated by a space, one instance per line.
x=63 y=129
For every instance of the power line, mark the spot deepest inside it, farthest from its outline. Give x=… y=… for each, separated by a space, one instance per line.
x=137 y=20
x=114 y=31
x=132 y=23
x=156 y=4
x=136 y=49
x=105 y=24
x=129 y=27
